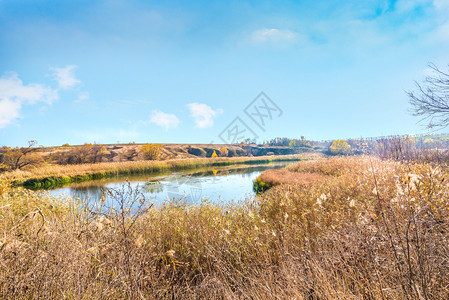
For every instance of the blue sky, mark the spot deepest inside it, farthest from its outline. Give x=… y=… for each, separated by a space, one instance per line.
x=181 y=71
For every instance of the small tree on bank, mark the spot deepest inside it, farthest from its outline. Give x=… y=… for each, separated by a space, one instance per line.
x=340 y=147
x=18 y=158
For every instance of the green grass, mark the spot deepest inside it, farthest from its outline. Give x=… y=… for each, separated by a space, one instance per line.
x=44 y=182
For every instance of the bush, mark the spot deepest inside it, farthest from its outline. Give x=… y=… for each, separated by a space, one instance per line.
x=224 y=152
x=5 y=186
x=152 y=151
x=214 y=154
x=340 y=147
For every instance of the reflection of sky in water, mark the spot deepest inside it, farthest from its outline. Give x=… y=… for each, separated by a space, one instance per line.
x=229 y=185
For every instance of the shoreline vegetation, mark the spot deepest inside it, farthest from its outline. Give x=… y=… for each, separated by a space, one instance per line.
x=307 y=173
x=47 y=176
x=366 y=229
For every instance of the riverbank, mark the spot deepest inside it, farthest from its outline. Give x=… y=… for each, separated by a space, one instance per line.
x=370 y=229
x=58 y=175
x=302 y=173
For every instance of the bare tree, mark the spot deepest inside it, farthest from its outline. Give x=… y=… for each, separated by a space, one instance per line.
x=19 y=158
x=431 y=101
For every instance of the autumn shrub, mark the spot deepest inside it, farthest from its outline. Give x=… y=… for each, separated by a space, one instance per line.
x=214 y=154
x=224 y=152
x=339 y=147
x=5 y=186
x=151 y=151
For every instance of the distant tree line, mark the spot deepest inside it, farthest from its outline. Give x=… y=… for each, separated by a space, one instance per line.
x=288 y=142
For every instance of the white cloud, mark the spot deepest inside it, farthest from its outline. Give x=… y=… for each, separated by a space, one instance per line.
x=164 y=120
x=273 y=35
x=14 y=94
x=65 y=77
x=11 y=87
x=9 y=111
x=203 y=114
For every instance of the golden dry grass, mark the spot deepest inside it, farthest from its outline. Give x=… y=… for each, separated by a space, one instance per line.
x=50 y=170
x=283 y=176
x=370 y=229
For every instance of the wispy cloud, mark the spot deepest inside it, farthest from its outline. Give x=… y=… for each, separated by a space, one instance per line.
x=82 y=97
x=14 y=94
x=164 y=120
x=9 y=111
x=203 y=114
x=273 y=35
x=65 y=77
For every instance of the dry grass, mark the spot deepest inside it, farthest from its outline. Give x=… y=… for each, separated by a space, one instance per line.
x=283 y=176
x=5 y=186
x=332 y=166
x=130 y=167
x=364 y=231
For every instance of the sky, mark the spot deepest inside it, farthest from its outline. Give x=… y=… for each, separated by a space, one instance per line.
x=192 y=71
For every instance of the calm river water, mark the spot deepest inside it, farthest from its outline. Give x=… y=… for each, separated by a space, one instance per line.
x=217 y=184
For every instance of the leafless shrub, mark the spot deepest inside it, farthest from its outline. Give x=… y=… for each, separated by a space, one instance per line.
x=20 y=158
x=410 y=150
x=87 y=153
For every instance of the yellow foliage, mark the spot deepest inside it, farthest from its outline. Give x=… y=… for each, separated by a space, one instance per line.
x=428 y=142
x=5 y=186
x=152 y=151
x=224 y=152
x=339 y=147
x=214 y=154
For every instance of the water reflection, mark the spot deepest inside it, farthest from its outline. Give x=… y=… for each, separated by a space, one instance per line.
x=218 y=184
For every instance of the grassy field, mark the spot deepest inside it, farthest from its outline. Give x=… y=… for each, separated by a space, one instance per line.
x=53 y=175
x=367 y=229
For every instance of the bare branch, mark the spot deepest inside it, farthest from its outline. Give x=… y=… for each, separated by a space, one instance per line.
x=431 y=101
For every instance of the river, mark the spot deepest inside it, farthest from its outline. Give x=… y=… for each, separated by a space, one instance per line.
x=217 y=184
